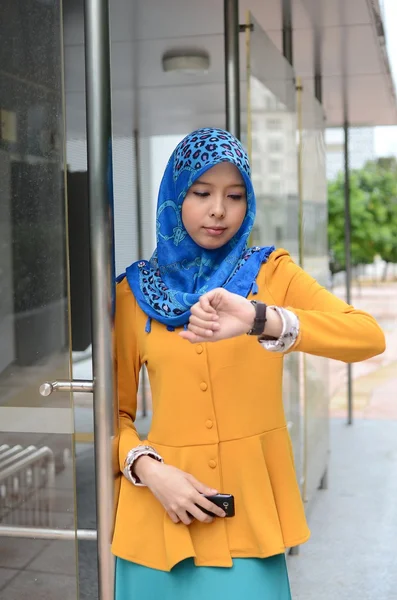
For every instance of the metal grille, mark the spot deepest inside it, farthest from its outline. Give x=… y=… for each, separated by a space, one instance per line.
x=27 y=484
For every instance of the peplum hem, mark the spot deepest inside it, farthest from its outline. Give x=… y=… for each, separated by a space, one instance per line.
x=258 y=470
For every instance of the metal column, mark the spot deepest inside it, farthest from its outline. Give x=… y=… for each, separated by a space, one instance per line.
x=287 y=31
x=317 y=18
x=232 y=67
x=348 y=261
x=139 y=210
x=318 y=79
x=348 y=269
x=318 y=87
x=99 y=141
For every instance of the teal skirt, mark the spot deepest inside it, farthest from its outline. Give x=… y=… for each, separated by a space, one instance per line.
x=251 y=578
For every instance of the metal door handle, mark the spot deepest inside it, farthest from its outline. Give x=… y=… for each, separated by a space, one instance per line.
x=76 y=385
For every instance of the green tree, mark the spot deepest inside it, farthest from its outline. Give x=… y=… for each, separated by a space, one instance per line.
x=379 y=181
x=373 y=207
x=362 y=225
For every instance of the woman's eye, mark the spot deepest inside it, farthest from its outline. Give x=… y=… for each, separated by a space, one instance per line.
x=201 y=194
x=236 y=196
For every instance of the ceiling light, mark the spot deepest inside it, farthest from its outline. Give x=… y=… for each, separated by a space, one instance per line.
x=188 y=62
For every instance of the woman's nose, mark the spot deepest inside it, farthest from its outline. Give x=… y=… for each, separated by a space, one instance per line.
x=218 y=209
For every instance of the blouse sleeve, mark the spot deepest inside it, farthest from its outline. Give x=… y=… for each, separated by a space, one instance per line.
x=328 y=326
x=128 y=366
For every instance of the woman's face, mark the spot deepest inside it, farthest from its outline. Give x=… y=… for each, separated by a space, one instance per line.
x=215 y=206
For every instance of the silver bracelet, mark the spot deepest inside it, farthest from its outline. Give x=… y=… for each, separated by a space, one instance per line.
x=133 y=456
x=288 y=335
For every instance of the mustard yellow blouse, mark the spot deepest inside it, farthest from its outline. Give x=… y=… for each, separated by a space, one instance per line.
x=218 y=414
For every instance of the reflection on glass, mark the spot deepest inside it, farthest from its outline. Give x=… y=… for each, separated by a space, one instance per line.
x=272 y=129
x=315 y=261
x=274 y=167
x=36 y=467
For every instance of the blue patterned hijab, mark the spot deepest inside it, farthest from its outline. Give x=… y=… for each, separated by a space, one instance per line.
x=180 y=271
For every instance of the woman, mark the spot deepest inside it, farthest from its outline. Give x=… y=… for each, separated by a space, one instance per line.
x=218 y=421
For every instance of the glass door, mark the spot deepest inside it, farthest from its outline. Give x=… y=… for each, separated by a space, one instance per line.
x=38 y=551
x=270 y=132
x=314 y=259
x=57 y=421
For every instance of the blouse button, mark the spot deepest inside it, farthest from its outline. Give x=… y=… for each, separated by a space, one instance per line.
x=209 y=424
x=199 y=349
x=203 y=386
x=212 y=464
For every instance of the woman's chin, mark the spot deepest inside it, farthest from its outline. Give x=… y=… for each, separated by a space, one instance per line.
x=208 y=242
x=211 y=245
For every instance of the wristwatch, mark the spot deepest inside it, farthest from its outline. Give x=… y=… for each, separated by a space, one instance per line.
x=260 y=318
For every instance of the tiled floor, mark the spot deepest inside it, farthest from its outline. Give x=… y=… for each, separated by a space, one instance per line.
x=30 y=585
x=5 y=577
x=352 y=554
x=38 y=569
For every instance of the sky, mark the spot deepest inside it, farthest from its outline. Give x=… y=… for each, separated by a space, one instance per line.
x=386 y=137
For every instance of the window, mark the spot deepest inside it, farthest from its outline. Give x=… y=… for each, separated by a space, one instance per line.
x=274 y=124
x=257 y=182
x=275 y=187
x=255 y=145
x=275 y=145
x=275 y=166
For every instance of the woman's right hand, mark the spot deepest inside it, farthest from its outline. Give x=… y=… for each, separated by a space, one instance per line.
x=178 y=492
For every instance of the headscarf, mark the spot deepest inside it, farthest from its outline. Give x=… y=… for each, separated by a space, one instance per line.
x=180 y=271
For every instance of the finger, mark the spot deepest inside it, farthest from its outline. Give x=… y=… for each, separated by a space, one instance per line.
x=203 y=323
x=206 y=491
x=192 y=337
x=212 y=299
x=201 y=488
x=184 y=517
x=208 y=505
x=202 y=314
x=199 y=514
x=202 y=332
x=205 y=302
x=173 y=516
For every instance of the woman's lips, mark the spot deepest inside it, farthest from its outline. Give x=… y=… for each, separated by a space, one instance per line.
x=215 y=231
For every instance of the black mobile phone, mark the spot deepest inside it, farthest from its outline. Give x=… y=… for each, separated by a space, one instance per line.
x=224 y=501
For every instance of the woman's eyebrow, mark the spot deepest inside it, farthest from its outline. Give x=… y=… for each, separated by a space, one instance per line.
x=202 y=182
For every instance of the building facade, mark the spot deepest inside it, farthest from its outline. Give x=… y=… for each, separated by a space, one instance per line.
x=361 y=149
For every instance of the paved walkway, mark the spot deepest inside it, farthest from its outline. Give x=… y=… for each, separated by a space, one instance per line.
x=374 y=380
x=352 y=554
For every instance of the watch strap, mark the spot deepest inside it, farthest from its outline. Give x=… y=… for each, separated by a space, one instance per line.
x=260 y=318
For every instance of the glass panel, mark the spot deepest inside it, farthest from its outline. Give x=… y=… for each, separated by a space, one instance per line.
x=271 y=138
x=36 y=433
x=315 y=259
x=168 y=106
x=127 y=142
x=80 y=288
